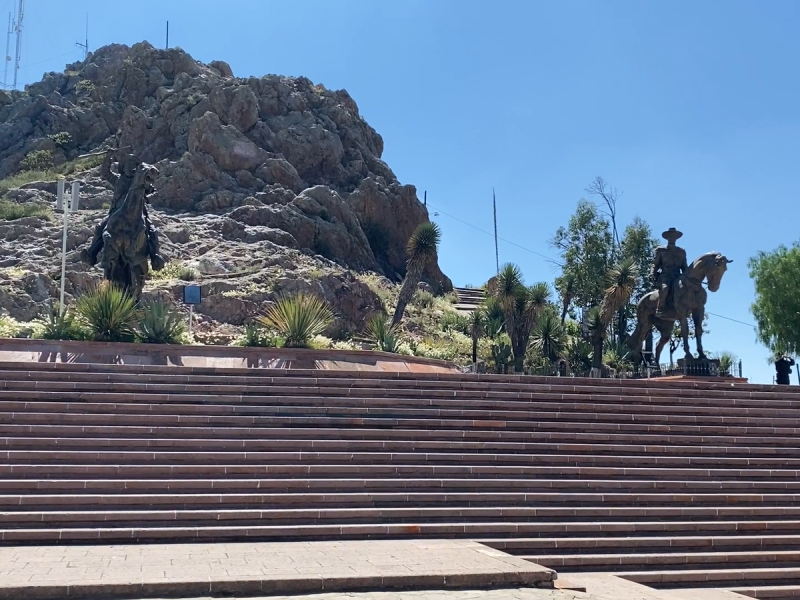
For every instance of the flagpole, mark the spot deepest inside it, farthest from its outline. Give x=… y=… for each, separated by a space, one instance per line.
x=496 y=251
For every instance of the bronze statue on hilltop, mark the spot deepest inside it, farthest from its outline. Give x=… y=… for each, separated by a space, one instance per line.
x=679 y=294
x=126 y=238
x=668 y=266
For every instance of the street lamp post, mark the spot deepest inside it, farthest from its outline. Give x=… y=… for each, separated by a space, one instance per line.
x=66 y=204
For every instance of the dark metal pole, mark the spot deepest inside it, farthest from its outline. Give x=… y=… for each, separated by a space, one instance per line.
x=496 y=251
x=167 y=35
x=425 y=198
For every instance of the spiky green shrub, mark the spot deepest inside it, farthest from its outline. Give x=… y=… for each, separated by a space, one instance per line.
x=11 y=211
x=256 y=336
x=298 y=318
x=109 y=314
x=422 y=299
x=383 y=334
x=161 y=323
x=56 y=324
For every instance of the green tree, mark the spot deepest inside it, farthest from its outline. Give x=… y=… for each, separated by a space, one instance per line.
x=585 y=245
x=639 y=245
x=421 y=250
x=777 y=305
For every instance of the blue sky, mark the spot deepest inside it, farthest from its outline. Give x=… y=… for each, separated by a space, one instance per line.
x=689 y=108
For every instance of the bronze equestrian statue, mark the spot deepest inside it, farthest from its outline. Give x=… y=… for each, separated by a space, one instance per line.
x=122 y=180
x=678 y=296
x=125 y=237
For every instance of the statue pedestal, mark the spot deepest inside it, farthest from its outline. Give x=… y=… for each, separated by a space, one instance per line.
x=699 y=367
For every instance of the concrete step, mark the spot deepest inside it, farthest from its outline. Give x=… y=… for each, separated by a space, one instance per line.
x=466 y=514
x=591 y=545
x=161 y=385
x=629 y=562
x=69 y=410
x=713 y=578
x=411 y=430
x=526 y=409
x=287 y=439
x=679 y=388
x=769 y=592
x=118 y=458
x=395 y=470
x=184 y=500
x=280 y=483
x=309 y=532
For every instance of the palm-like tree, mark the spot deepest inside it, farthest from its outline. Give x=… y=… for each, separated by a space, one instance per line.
x=621 y=280
x=421 y=250
x=477 y=325
x=521 y=306
x=597 y=335
x=566 y=293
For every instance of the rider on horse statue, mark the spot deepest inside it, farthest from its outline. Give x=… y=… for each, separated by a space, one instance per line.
x=669 y=266
x=126 y=169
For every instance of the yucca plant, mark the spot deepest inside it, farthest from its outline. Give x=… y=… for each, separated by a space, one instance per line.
x=383 y=334
x=161 y=323
x=521 y=306
x=57 y=324
x=621 y=280
x=727 y=362
x=298 y=318
x=109 y=313
x=548 y=336
x=421 y=250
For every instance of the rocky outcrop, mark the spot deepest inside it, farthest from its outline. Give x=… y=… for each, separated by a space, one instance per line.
x=271 y=164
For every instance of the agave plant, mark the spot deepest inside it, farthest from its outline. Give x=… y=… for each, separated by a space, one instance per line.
x=109 y=313
x=421 y=251
x=383 y=334
x=161 y=323
x=57 y=324
x=298 y=318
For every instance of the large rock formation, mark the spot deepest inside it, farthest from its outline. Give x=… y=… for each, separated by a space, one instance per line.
x=265 y=163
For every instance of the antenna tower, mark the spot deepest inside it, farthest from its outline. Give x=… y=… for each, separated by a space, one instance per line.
x=18 y=31
x=85 y=44
x=8 y=50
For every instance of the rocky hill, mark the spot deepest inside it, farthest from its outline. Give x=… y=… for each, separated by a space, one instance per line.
x=265 y=184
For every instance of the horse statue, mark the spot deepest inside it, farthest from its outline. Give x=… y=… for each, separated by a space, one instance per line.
x=688 y=299
x=125 y=236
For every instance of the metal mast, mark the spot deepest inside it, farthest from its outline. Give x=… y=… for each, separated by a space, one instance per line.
x=85 y=45
x=496 y=250
x=18 y=31
x=8 y=50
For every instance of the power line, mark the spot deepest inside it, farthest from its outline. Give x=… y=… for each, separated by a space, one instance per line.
x=730 y=319
x=560 y=264
x=41 y=62
x=539 y=254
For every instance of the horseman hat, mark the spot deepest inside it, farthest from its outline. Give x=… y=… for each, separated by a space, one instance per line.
x=671 y=234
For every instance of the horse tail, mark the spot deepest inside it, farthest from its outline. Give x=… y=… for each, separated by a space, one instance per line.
x=639 y=333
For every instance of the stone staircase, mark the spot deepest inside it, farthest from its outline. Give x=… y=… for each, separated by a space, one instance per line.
x=469 y=298
x=672 y=484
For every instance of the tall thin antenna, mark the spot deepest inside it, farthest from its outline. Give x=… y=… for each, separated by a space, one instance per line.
x=425 y=203
x=496 y=250
x=85 y=44
x=167 y=46
x=8 y=52
x=18 y=30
